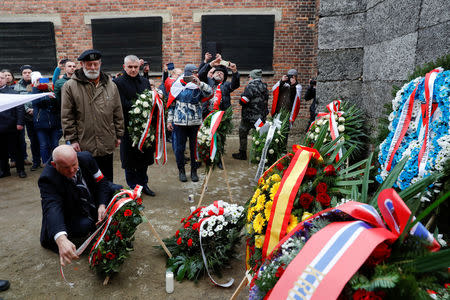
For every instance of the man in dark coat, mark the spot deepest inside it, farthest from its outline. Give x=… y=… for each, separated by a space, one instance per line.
x=134 y=161
x=11 y=123
x=222 y=89
x=74 y=197
x=254 y=102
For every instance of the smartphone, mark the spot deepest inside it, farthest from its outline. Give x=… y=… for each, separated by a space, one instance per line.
x=225 y=63
x=187 y=79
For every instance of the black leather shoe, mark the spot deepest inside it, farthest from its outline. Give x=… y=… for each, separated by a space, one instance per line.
x=35 y=167
x=219 y=165
x=182 y=176
x=241 y=155
x=194 y=176
x=148 y=191
x=22 y=174
x=4 y=285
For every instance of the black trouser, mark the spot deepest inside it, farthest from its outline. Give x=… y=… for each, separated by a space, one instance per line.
x=34 y=143
x=105 y=164
x=179 y=138
x=11 y=144
x=244 y=129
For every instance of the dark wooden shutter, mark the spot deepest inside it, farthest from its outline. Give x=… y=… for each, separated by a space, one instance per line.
x=246 y=40
x=28 y=43
x=117 y=38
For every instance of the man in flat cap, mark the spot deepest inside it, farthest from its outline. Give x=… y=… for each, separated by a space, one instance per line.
x=91 y=112
x=286 y=94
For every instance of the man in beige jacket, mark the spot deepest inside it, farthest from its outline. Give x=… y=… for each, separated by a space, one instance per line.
x=91 y=112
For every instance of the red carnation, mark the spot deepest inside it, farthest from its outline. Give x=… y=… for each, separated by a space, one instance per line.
x=127 y=213
x=187 y=225
x=139 y=201
x=279 y=272
x=115 y=223
x=195 y=226
x=321 y=188
x=106 y=238
x=188 y=218
x=280 y=166
x=329 y=170
x=305 y=200
x=198 y=214
x=119 y=234
x=182 y=220
x=179 y=241
x=190 y=243
x=379 y=254
x=177 y=233
x=367 y=295
x=324 y=199
x=310 y=172
x=110 y=256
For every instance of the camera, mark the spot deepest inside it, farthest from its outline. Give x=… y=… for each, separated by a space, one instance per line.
x=312 y=82
x=225 y=63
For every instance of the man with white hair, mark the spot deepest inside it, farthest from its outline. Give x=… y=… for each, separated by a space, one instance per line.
x=91 y=113
x=74 y=197
x=135 y=162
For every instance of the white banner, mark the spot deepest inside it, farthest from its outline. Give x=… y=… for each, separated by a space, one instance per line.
x=8 y=101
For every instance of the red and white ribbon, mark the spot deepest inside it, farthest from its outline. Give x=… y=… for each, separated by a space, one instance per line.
x=424 y=133
x=160 y=151
x=216 y=118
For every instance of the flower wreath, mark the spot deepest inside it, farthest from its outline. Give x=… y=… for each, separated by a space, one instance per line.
x=414 y=135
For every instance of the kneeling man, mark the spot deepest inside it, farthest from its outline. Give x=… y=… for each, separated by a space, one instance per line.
x=74 y=197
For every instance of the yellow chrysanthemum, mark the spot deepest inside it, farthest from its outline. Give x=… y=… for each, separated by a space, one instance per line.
x=274 y=190
x=268 y=209
x=258 y=223
x=257 y=193
x=249 y=228
x=306 y=215
x=250 y=214
x=259 y=241
x=275 y=178
x=260 y=204
x=253 y=201
x=293 y=221
x=265 y=187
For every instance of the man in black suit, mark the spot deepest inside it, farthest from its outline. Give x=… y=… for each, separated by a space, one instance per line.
x=74 y=197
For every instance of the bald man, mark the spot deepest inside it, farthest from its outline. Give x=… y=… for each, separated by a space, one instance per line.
x=74 y=197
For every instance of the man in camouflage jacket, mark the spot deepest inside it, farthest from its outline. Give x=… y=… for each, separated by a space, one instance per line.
x=254 y=102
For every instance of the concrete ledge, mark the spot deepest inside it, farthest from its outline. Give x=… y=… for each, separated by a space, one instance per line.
x=165 y=14
x=198 y=13
x=12 y=18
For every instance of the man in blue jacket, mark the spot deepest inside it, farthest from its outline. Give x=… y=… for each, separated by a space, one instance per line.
x=74 y=196
x=11 y=123
x=185 y=116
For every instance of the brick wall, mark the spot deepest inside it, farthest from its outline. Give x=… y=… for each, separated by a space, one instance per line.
x=295 y=36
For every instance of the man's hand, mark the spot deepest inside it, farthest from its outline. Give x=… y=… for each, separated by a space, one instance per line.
x=30 y=111
x=118 y=141
x=216 y=61
x=101 y=212
x=210 y=73
x=196 y=81
x=76 y=147
x=208 y=56
x=19 y=127
x=67 y=250
x=233 y=67
x=169 y=126
x=284 y=78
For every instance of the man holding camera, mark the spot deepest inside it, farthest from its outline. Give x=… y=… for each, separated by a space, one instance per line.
x=286 y=94
x=185 y=116
x=221 y=98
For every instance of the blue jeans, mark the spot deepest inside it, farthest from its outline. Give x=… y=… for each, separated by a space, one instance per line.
x=48 y=140
x=179 y=137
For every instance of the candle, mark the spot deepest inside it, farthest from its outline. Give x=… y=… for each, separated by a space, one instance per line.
x=169 y=282
x=192 y=209
x=191 y=198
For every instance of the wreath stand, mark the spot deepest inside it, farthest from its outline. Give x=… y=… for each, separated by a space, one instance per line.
x=205 y=183
x=155 y=233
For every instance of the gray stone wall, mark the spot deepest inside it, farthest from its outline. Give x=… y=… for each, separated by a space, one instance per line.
x=367 y=46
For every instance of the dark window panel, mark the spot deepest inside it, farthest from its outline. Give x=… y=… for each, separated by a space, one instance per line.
x=246 y=40
x=28 y=43
x=117 y=38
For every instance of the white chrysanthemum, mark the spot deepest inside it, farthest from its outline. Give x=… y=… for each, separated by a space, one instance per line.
x=218 y=228
x=341 y=128
x=210 y=233
x=253 y=138
x=145 y=104
x=137 y=110
x=144 y=125
x=341 y=119
x=204 y=233
x=277 y=141
x=256 y=143
x=317 y=130
x=258 y=158
x=138 y=102
x=145 y=114
x=320 y=122
x=278 y=132
x=143 y=96
x=271 y=151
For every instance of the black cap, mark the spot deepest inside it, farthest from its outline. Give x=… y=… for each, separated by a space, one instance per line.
x=90 y=55
x=24 y=67
x=223 y=69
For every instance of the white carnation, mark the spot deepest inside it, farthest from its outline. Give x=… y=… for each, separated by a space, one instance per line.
x=143 y=96
x=271 y=151
x=341 y=128
x=277 y=141
x=257 y=143
x=145 y=104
